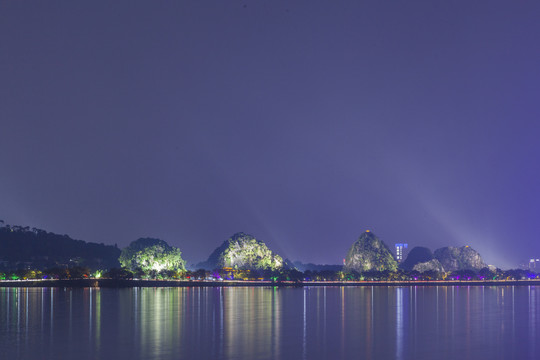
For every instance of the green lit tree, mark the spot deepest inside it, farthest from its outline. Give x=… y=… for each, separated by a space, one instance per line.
x=152 y=256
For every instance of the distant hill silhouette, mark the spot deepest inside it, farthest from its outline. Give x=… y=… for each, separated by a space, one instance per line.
x=25 y=247
x=417 y=255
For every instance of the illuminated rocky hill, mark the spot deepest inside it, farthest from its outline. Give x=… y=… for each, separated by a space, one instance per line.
x=243 y=251
x=431 y=265
x=369 y=253
x=462 y=258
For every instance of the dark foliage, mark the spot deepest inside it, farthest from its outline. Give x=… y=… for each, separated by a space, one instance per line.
x=37 y=249
x=118 y=274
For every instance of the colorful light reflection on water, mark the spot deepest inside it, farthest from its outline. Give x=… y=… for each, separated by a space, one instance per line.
x=270 y=323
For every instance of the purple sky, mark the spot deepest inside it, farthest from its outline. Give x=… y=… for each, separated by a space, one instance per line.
x=300 y=122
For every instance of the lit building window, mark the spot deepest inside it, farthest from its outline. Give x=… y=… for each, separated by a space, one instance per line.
x=400 y=252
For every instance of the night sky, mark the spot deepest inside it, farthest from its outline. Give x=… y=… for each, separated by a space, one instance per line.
x=303 y=123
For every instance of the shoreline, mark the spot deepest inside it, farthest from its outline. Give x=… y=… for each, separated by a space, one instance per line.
x=123 y=283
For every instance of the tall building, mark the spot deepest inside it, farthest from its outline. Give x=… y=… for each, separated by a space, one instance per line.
x=400 y=252
x=534 y=264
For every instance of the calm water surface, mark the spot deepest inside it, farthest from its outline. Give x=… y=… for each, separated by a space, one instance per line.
x=271 y=323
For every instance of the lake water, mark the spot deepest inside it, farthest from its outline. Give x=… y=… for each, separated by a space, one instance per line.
x=271 y=323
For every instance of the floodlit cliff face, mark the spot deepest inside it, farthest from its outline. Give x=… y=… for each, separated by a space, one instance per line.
x=462 y=258
x=431 y=265
x=243 y=251
x=369 y=253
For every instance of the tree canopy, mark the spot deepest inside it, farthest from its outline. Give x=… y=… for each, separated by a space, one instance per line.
x=148 y=254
